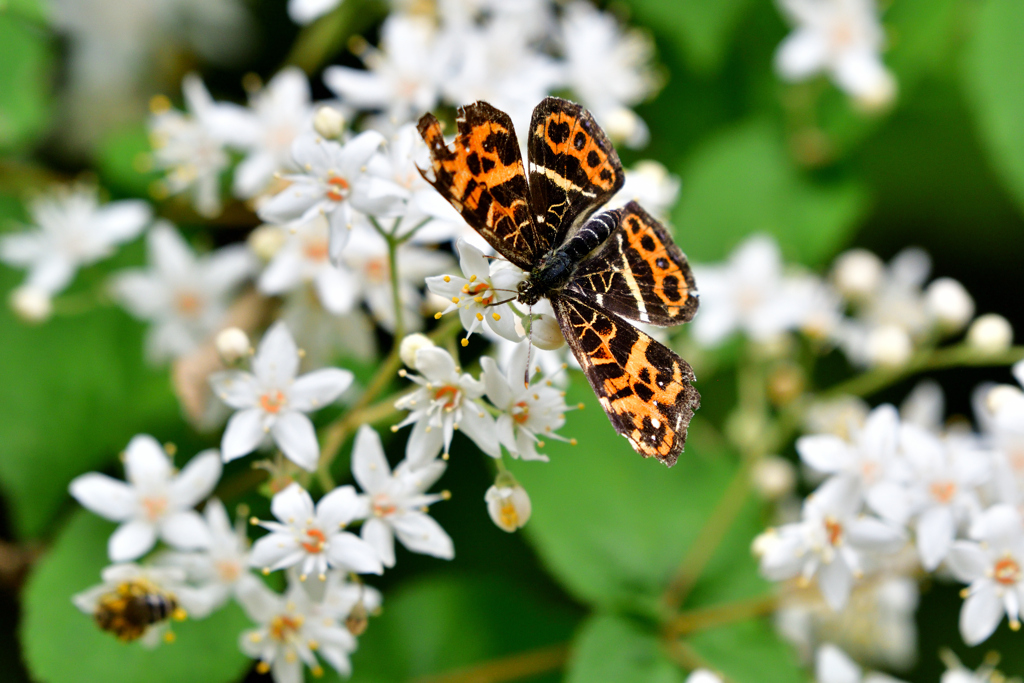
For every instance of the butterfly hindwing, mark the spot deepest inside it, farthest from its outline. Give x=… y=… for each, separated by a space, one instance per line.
x=484 y=179
x=574 y=168
x=644 y=387
x=639 y=273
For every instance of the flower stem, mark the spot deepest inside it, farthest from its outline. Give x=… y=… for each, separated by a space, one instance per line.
x=511 y=668
x=714 y=616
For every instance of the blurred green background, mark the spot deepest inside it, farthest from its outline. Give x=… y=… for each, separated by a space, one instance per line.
x=943 y=169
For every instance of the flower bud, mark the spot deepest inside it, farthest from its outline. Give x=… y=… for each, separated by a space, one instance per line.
x=623 y=124
x=546 y=333
x=774 y=477
x=764 y=542
x=949 y=303
x=990 y=334
x=703 y=676
x=266 y=240
x=508 y=506
x=328 y=122
x=857 y=273
x=410 y=345
x=889 y=345
x=232 y=344
x=879 y=96
x=31 y=304
x=1002 y=395
x=357 y=621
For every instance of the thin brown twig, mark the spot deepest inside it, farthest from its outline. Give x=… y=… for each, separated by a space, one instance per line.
x=704 y=618
x=511 y=668
x=684 y=654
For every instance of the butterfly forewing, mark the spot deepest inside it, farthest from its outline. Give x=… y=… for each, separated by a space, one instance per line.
x=638 y=273
x=643 y=386
x=574 y=168
x=484 y=179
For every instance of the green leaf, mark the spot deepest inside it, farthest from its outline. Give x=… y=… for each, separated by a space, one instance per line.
x=609 y=525
x=441 y=623
x=82 y=391
x=63 y=645
x=122 y=160
x=32 y=10
x=615 y=650
x=25 y=64
x=748 y=652
x=994 y=82
x=702 y=30
x=743 y=182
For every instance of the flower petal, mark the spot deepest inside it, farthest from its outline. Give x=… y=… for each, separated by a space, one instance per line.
x=967 y=561
x=338 y=508
x=295 y=436
x=270 y=551
x=105 y=496
x=146 y=462
x=835 y=581
x=131 y=540
x=293 y=505
x=185 y=530
x=420 y=533
x=377 y=533
x=317 y=389
x=236 y=388
x=243 y=434
x=277 y=359
x=196 y=481
x=348 y=551
x=935 y=530
x=823 y=452
x=369 y=465
x=424 y=443
x=981 y=613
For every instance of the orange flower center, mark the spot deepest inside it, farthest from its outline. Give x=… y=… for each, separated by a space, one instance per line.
x=943 y=491
x=282 y=627
x=228 y=570
x=523 y=414
x=448 y=391
x=154 y=507
x=317 y=541
x=474 y=289
x=377 y=270
x=508 y=515
x=187 y=304
x=834 y=531
x=272 y=401
x=382 y=506
x=341 y=184
x=316 y=251
x=1006 y=571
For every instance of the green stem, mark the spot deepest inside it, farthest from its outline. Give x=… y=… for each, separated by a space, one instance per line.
x=326 y=36
x=705 y=618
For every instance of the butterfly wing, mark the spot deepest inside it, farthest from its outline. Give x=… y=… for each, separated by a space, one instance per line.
x=644 y=387
x=638 y=273
x=574 y=168
x=483 y=177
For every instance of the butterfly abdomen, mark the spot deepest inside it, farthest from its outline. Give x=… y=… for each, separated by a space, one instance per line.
x=558 y=267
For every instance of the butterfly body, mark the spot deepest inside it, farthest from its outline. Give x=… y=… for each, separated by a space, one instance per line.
x=598 y=271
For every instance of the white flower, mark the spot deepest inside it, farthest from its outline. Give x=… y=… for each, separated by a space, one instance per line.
x=31 y=304
x=279 y=113
x=186 y=297
x=609 y=69
x=832 y=665
x=870 y=456
x=842 y=37
x=529 y=413
x=291 y=627
x=222 y=569
x=150 y=583
x=405 y=75
x=397 y=502
x=749 y=293
x=991 y=565
x=410 y=345
x=484 y=295
x=155 y=501
x=651 y=185
x=325 y=336
x=444 y=401
x=958 y=673
x=508 y=505
x=303 y=259
x=332 y=183
x=829 y=542
x=305 y=11
x=70 y=230
x=314 y=538
x=190 y=146
x=271 y=400
x=942 y=489
x=367 y=258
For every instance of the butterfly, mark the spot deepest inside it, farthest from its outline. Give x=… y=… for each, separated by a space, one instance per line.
x=597 y=271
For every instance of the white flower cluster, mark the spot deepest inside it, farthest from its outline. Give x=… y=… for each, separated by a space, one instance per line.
x=878 y=314
x=952 y=498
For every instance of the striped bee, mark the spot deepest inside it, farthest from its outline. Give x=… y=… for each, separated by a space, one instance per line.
x=133 y=607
